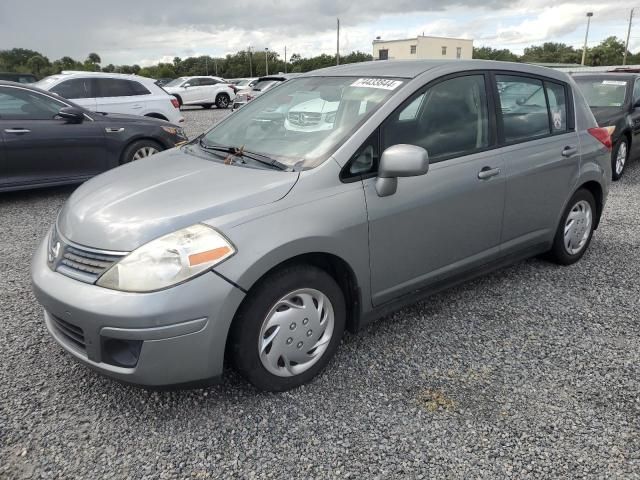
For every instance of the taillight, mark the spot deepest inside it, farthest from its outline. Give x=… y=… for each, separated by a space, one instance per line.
x=174 y=102
x=249 y=97
x=603 y=135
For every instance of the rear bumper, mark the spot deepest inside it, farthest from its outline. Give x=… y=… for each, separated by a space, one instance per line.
x=177 y=335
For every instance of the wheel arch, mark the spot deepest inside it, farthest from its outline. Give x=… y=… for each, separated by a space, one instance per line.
x=596 y=190
x=133 y=140
x=159 y=116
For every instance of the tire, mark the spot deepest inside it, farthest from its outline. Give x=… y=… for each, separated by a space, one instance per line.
x=569 y=249
x=140 y=149
x=265 y=354
x=619 y=158
x=222 y=100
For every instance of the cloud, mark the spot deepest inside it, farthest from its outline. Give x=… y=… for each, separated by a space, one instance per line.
x=145 y=31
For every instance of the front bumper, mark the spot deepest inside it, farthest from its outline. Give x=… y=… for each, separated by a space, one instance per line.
x=181 y=332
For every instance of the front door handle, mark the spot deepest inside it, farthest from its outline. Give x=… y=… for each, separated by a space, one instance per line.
x=569 y=151
x=16 y=130
x=488 y=172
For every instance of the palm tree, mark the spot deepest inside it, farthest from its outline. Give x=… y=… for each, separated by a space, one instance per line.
x=94 y=58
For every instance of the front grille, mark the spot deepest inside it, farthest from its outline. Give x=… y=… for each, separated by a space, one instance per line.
x=81 y=263
x=304 y=119
x=74 y=335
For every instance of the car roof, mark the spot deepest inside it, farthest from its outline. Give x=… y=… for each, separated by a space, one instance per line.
x=621 y=75
x=414 y=68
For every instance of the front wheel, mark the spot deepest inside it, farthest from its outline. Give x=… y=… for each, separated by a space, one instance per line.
x=289 y=328
x=575 y=230
x=222 y=100
x=619 y=157
x=139 y=150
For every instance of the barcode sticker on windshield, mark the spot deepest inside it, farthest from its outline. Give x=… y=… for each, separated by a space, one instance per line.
x=377 y=83
x=614 y=82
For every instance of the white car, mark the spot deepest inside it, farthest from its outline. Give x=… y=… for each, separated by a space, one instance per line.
x=204 y=91
x=114 y=93
x=311 y=116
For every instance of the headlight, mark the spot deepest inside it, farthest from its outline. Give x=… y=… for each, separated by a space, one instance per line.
x=177 y=131
x=168 y=260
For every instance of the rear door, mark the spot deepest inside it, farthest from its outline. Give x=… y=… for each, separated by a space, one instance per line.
x=541 y=153
x=115 y=95
x=635 y=118
x=79 y=90
x=39 y=146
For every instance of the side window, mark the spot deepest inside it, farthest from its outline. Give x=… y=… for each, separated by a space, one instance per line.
x=18 y=104
x=411 y=111
x=115 y=87
x=524 y=108
x=194 y=82
x=636 y=91
x=208 y=81
x=74 y=88
x=365 y=159
x=452 y=121
x=557 y=106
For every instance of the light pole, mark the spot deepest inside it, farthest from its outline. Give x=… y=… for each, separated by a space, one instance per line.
x=266 y=61
x=626 y=45
x=586 y=36
x=250 y=65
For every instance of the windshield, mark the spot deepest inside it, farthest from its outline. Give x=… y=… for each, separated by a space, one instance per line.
x=46 y=82
x=600 y=92
x=302 y=121
x=175 y=83
x=264 y=84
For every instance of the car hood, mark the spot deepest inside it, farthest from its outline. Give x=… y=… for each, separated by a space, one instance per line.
x=127 y=207
x=606 y=116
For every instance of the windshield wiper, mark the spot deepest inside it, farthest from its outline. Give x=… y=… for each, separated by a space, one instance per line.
x=240 y=152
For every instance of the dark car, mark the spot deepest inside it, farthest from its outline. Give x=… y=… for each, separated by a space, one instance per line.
x=18 y=77
x=47 y=140
x=614 y=99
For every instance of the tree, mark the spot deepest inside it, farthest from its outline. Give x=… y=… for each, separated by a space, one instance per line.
x=94 y=58
x=488 y=53
x=609 y=52
x=551 y=52
x=37 y=63
x=109 y=68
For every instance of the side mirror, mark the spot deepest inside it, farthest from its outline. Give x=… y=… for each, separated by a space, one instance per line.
x=72 y=114
x=186 y=85
x=400 y=161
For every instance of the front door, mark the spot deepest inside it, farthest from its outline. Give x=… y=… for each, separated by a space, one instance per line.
x=39 y=146
x=449 y=220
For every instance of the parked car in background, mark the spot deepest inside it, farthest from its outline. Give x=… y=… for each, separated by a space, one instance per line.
x=163 y=81
x=47 y=140
x=18 y=77
x=243 y=85
x=273 y=243
x=114 y=93
x=614 y=99
x=260 y=86
x=203 y=91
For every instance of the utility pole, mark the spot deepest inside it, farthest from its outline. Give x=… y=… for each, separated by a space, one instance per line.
x=285 y=59
x=250 y=66
x=215 y=62
x=206 y=64
x=338 y=43
x=586 y=36
x=626 y=45
x=266 y=61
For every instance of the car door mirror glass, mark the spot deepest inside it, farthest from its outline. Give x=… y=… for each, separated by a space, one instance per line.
x=74 y=115
x=401 y=160
x=186 y=85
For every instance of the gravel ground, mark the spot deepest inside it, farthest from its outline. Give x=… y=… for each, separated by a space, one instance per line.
x=531 y=372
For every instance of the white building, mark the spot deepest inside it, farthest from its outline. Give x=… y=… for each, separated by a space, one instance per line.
x=422 y=47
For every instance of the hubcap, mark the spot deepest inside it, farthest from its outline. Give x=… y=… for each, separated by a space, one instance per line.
x=621 y=158
x=223 y=102
x=144 y=152
x=296 y=332
x=578 y=227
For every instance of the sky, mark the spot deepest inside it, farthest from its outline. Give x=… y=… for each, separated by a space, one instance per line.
x=146 y=32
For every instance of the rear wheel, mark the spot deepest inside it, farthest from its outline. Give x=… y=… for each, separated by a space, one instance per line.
x=222 y=100
x=140 y=149
x=289 y=328
x=575 y=230
x=619 y=157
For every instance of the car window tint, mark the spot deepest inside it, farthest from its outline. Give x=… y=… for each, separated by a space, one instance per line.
x=453 y=120
x=208 y=81
x=636 y=91
x=194 y=82
x=557 y=106
x=366 y=159
x=22 y=104
x=115 y=87
x=74 y=88
x=524 y=108
x=411 y=110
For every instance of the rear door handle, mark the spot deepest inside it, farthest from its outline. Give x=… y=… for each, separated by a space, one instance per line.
x=488 y=172
x=16 y=130
x=569 y=151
